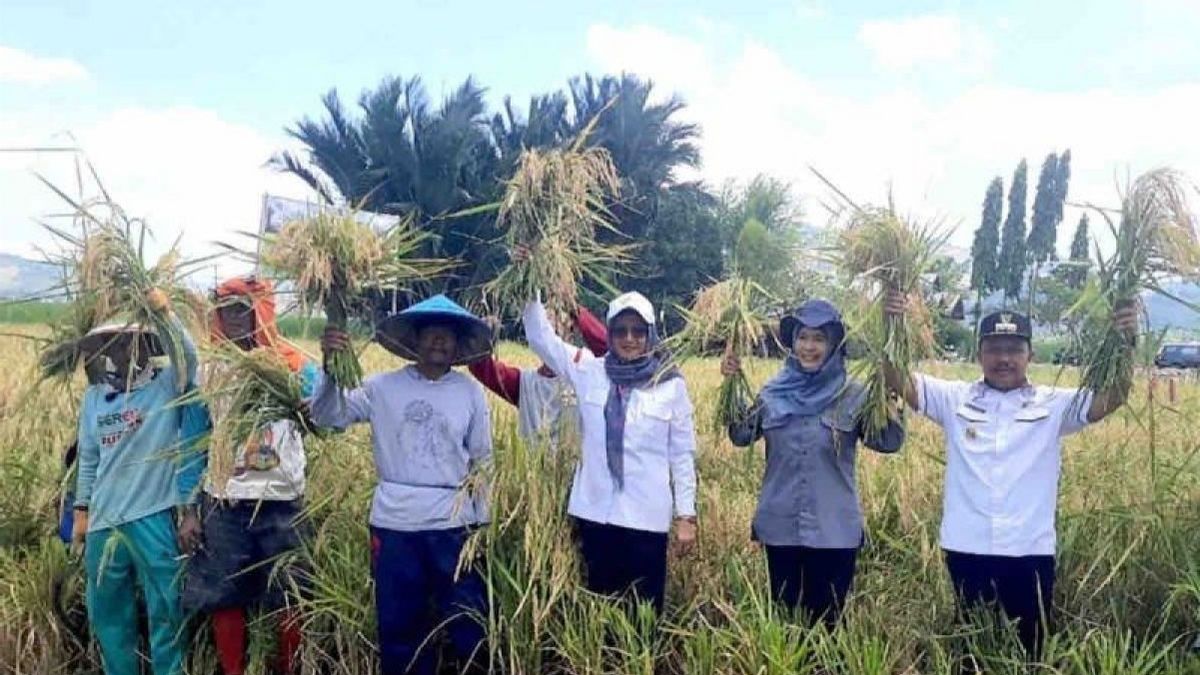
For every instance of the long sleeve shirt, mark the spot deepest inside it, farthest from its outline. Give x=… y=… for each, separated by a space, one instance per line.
x=428 y=436
x=809 y=493
x=660 y=439
x=131 y=463
x=504 y=380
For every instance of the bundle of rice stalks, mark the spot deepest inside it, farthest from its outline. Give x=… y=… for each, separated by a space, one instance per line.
x=552 y=209
x=333 y=257
x=106 y=275
x=245 y=392
x=1156 y=242
x=729 y=314
x=879 y=251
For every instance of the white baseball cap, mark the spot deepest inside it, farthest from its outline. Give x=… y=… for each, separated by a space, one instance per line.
x=632 y=301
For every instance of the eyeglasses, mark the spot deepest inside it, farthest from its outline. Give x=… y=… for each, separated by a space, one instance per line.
x=635 y=332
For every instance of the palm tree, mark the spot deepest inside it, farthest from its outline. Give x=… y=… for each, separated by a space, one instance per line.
x=404 y=157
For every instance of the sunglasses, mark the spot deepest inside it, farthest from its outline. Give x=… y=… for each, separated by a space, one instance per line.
x=636 y=332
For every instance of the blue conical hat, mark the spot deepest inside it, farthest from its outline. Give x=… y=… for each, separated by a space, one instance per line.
x=398 y=333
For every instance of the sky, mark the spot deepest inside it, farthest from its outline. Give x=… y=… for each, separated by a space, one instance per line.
x=179 y=105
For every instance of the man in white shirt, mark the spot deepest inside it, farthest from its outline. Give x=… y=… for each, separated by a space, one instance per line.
x=1003 y=443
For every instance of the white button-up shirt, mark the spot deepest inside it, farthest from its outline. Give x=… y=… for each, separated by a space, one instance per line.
x=660 y=439
x=1002 y=463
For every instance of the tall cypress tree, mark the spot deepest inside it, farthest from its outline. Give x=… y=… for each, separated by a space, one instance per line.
x=1012 y=263
x=1043 y=228
x=1080 y=259
x=984 y=248
x=1063 y=184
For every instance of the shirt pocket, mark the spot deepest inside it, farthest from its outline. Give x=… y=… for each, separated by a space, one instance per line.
x=842 y=428
x=1031 y=415
x=976 y=427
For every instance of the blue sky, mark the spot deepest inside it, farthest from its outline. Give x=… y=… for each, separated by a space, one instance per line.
x=179 y=103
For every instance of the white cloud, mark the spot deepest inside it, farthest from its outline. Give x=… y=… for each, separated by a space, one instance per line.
x=903 y=44
x=21 y=67
x=189 y=172
x=761 y=114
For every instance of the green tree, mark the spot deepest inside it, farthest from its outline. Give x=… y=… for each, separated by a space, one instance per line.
x=985 y=247
x=682 y=250
x=759 y=256
x=1043 y=224
x=1076 y=274
x=1013 y=261
x=401 y=155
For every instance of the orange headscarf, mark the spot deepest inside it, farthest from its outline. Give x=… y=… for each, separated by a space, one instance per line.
x=261 y=295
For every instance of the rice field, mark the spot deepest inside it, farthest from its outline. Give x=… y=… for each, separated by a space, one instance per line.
x=1129 y=563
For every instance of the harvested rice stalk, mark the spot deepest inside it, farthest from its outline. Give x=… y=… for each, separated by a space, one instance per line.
x=729 y=314
x=1156 y=241
x=332 y=258
x=879 y=251
x=552 y=209
x=246 y=391
x=107 y=276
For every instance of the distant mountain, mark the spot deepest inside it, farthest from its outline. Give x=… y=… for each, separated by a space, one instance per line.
x=1168 y=314
x=22 y=278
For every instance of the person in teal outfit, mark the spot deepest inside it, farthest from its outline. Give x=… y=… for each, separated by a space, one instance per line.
x=135 y=480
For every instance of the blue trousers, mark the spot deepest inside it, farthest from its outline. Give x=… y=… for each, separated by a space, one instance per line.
x=621 y=561
x=1020 y=586
x=416 y=594
x=816 y=579
x=144 y=550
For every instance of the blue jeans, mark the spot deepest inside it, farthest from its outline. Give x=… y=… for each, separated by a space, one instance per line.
x=416 y=593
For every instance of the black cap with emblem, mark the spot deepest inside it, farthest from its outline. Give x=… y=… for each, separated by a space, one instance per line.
x=1006 y=323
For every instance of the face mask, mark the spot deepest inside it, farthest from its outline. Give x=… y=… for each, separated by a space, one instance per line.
x=119 y=380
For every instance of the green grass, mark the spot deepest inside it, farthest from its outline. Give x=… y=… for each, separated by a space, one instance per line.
x=1129 y=564
x=31 y=312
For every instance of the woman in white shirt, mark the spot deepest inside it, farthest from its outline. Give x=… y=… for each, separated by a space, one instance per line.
x=637 y=468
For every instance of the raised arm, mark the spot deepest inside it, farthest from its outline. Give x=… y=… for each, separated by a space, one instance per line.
x=176 y=341
x=895 y=306
x=334 y=408
x=747 y=420
x=331 y=406
x=499 y=377
x=552 y=349
x=593 y=330
x=1125 y=322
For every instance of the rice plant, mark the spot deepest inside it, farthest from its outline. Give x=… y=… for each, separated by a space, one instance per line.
x=332 y=258
x=246 y=391
x=553 y=208
x=1156 y=242
x=879 y=252
x=107 y=275
x=730 y=315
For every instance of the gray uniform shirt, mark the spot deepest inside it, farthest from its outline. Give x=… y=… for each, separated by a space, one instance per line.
x=809 y=493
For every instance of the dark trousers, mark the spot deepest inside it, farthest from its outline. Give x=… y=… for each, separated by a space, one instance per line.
x=816 y=579
x=1020 y=586
x=618 y=560
x=416 y=593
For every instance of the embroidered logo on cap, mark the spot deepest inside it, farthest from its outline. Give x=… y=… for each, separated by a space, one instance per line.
x=1005 y=324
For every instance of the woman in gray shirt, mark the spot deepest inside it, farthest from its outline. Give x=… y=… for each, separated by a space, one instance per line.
x=808 y=516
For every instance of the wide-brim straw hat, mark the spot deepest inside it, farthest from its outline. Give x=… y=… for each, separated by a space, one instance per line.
x=398 y=332
x=98 y=339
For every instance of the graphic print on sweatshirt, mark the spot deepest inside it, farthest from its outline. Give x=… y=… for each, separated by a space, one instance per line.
x=435 y=454
x=112 y=427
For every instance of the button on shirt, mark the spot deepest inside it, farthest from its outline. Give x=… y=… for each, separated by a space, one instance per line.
x=809 y=492
x=660 y=440
x=1003 y=461
x=428 y=436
